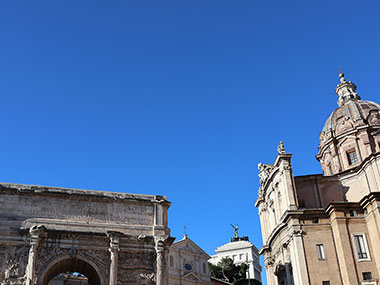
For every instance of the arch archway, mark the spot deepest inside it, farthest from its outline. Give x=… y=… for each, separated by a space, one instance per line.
x=71 y=264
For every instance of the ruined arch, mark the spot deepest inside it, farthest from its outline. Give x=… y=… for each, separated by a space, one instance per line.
x=71 y=264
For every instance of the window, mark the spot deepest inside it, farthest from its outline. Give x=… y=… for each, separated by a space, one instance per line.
x=352 y=157
x=367 y=276
x=204 y=267
x=320 y=251
x=361 y=246
x=353 y=213
x=315 y=220
x=325 y=282
x=171 y=260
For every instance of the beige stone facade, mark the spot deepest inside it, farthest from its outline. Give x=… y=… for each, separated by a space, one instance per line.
x=325 y=229
x=188 y=263
x=111 y=238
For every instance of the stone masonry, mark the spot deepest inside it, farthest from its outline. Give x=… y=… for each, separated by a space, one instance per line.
x=111 y=238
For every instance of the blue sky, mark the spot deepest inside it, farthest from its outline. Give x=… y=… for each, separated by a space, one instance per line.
x=180 y=98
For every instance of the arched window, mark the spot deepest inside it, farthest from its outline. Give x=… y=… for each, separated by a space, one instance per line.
x=171 y=260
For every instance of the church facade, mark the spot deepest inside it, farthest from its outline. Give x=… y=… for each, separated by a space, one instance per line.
x=188 y=263
x=325 y=229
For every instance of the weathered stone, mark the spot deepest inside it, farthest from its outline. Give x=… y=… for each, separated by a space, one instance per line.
x=112 y=238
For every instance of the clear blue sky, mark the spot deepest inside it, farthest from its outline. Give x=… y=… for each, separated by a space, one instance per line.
x=180 y=98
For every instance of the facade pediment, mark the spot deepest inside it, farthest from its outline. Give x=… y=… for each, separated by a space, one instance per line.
x=191 y=276
x=187 y=245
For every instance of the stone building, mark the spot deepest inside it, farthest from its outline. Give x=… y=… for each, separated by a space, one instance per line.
x=188 y=263
x=240 y=250
x=325 y=229
x=111 y=238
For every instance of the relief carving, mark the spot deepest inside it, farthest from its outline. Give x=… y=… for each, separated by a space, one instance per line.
x=344 y=124
x=13 y=262
x=269 y=261
x=374 y=118
x=264 y=172
x=150 y=278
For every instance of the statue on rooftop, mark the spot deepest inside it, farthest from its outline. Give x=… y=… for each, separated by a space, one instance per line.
x=236 y=228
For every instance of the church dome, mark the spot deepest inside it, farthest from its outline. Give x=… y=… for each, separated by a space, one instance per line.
x=351 y=133
x=357 y=111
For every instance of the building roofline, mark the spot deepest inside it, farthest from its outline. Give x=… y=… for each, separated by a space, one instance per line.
x=38 y=189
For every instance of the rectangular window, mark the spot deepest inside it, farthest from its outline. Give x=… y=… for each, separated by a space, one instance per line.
x=353 y=213
x=367 y=276
x=352 y=157
x=325 y=282
x=361 y=247
x=320 y=251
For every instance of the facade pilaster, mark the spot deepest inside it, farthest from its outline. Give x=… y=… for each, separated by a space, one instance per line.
x=269 y=268
x=344 y=254
x=300 y=270
x=288 y=180
x=373 y=223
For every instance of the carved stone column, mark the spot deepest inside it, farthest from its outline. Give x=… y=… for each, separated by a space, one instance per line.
x=161 y=262
x=114 y=249
x=34 y=232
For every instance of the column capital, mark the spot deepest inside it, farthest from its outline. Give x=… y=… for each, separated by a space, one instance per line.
x=35 y=233
x=114 y=238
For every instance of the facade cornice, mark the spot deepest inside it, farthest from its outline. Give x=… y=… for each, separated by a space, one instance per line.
x=359 y=168
x=25 y=189
x=326 y=144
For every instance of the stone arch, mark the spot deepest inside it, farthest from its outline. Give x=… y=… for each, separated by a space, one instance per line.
x=71 y=264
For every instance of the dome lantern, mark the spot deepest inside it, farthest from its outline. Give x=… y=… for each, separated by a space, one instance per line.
x=346 y=90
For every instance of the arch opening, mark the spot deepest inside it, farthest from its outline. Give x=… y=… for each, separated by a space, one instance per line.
x=74 y=266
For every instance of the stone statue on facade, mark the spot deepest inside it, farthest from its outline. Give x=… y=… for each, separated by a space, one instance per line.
x=281 y=148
